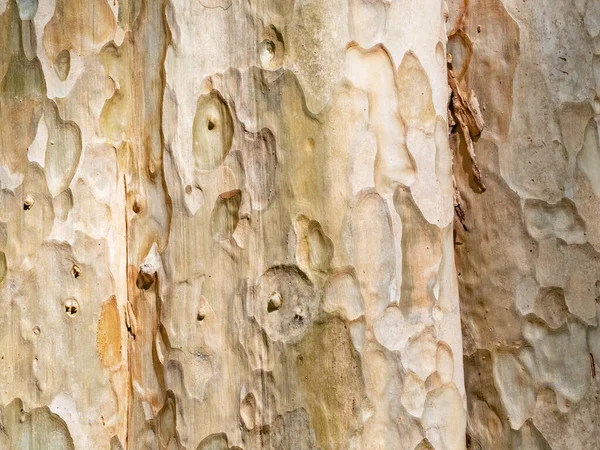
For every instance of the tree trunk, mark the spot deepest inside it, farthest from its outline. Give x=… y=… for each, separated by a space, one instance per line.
x=529 y=267
x=230 y=224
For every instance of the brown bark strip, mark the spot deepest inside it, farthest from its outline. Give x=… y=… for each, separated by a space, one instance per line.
x=458 y=205
x=459 y=210
x=130 y=320
x=467 y=57
x=468 y=116
x=462 y=16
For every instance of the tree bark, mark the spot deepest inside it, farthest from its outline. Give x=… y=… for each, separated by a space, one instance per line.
x=230 y=224
x=528 y=266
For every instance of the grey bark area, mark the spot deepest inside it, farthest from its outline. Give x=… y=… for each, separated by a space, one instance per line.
x=230 y=224
x=528 y=266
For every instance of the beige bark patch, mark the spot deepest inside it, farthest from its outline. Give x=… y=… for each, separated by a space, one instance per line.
x=108 y=336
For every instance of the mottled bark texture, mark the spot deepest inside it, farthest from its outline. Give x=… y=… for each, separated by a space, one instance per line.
x=229 y=224
x=529 y=265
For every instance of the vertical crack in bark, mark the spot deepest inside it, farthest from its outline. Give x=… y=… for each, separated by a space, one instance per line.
x=133 y=117
x=129 y=317
x=464 y=111
x=468 y=116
